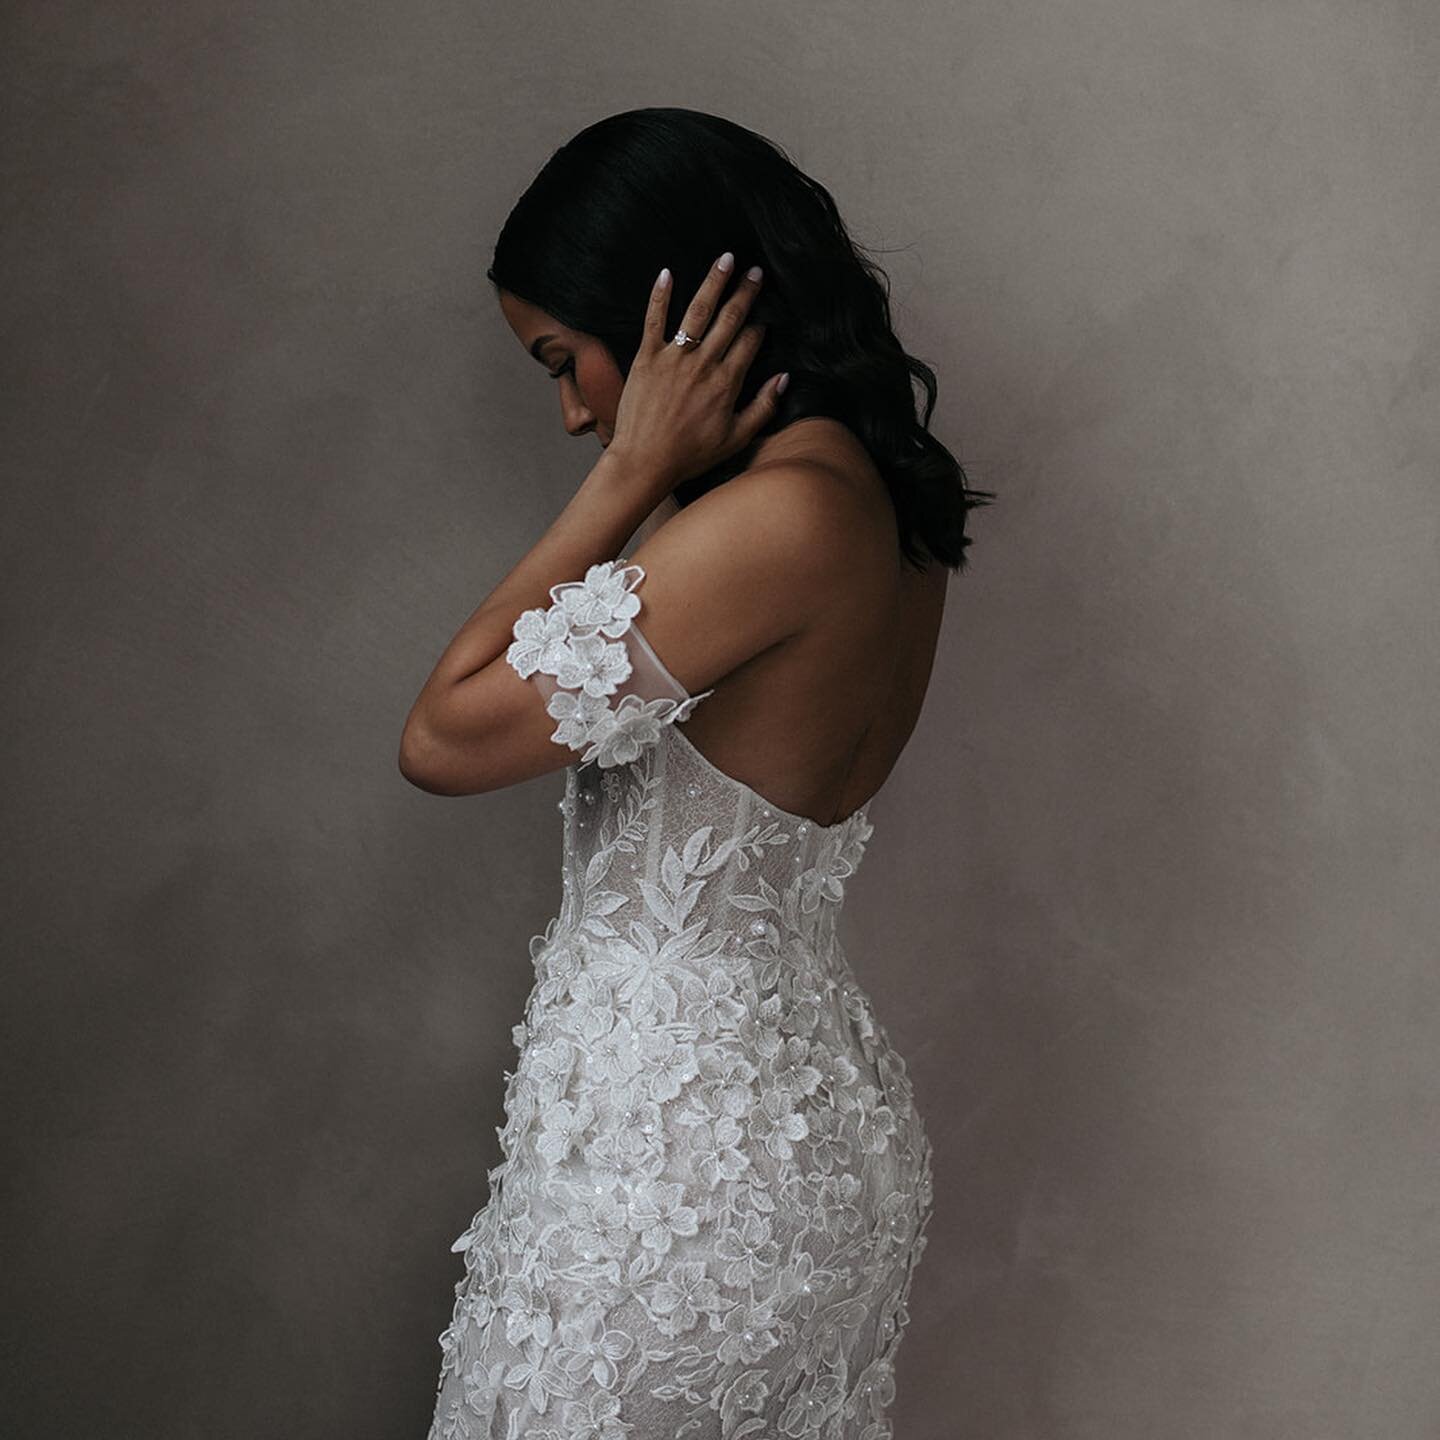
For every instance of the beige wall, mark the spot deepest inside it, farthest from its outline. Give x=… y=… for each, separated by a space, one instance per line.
x=1151 y=902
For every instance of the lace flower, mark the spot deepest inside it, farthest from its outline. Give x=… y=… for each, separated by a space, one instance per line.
x=594 y=665
x=602 y=601
x=621 y=734
x=579 y=716
x=541 y=642
x=578 y=640
x=840 y=854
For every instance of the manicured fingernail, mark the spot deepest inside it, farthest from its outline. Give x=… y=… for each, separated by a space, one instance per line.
x=663 y=279
x=726 y=261
x=782 y=382
x=754 y=273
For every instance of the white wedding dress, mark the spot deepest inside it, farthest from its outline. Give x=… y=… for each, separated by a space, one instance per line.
x=715 y=1183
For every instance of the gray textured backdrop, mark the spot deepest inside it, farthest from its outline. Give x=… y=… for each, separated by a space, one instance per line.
x=1152 y=900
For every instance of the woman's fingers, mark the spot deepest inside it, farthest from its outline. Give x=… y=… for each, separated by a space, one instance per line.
x=736 y=360
x=653 y=336
x=707 y=297
x=717 y=339
x=757 y=414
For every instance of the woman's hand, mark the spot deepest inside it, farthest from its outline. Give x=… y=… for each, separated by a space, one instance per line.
x=676 y=417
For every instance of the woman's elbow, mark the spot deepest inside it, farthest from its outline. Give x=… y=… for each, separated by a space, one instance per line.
x=432 y=764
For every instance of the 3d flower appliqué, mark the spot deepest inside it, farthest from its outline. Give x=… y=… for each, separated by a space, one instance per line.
x=584 y=641
x=594 y=665
x=541 y=642
x=604 y=600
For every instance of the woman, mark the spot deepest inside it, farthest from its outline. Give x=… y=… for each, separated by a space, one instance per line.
x=715 y=1181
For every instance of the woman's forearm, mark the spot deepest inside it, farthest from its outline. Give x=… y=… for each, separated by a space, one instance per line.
x=604 y=512
x=657 y=517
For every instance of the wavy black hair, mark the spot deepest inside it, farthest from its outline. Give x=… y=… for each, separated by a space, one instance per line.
x=666 y=186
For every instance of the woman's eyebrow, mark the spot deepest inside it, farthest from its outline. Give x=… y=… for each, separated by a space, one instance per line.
x=539 y=343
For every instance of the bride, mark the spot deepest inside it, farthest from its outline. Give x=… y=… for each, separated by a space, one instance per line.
x=715 y=1178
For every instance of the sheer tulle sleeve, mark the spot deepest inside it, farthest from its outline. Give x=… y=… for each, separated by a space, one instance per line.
x=601 y=681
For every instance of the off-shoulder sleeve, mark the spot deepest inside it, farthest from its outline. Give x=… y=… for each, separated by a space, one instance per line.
x=601 y=680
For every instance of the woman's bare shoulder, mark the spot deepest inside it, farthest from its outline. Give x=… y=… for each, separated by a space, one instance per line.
x=788 y=528
x=821 y=504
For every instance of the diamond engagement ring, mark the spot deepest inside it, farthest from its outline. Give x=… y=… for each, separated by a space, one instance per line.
x=681 y=338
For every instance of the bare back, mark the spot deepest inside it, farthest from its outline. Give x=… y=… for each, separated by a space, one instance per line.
x=816 y=723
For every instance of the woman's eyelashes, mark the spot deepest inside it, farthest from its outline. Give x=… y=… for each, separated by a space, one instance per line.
x=568 y=368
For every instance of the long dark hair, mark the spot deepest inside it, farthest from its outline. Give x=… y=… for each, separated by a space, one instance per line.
x=665 y=186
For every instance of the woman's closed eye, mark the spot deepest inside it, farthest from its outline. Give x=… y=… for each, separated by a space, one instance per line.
x=568 y=368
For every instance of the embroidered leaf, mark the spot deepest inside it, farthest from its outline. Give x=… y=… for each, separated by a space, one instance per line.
x=605 y=902
x=685 y=900
x=660 y=904
x=751 y=902
x=695 y=846
x=718 y=857
x=672 y=872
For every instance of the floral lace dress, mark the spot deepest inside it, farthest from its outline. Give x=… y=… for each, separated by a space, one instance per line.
x=715 y=1183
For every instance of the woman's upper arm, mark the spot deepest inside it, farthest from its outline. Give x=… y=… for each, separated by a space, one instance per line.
x=637 y=643
x=742 y=568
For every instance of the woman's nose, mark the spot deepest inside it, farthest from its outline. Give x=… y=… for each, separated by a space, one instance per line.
x=578 y=419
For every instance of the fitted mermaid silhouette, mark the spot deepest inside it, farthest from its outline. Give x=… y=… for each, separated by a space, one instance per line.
x=715 y=1182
